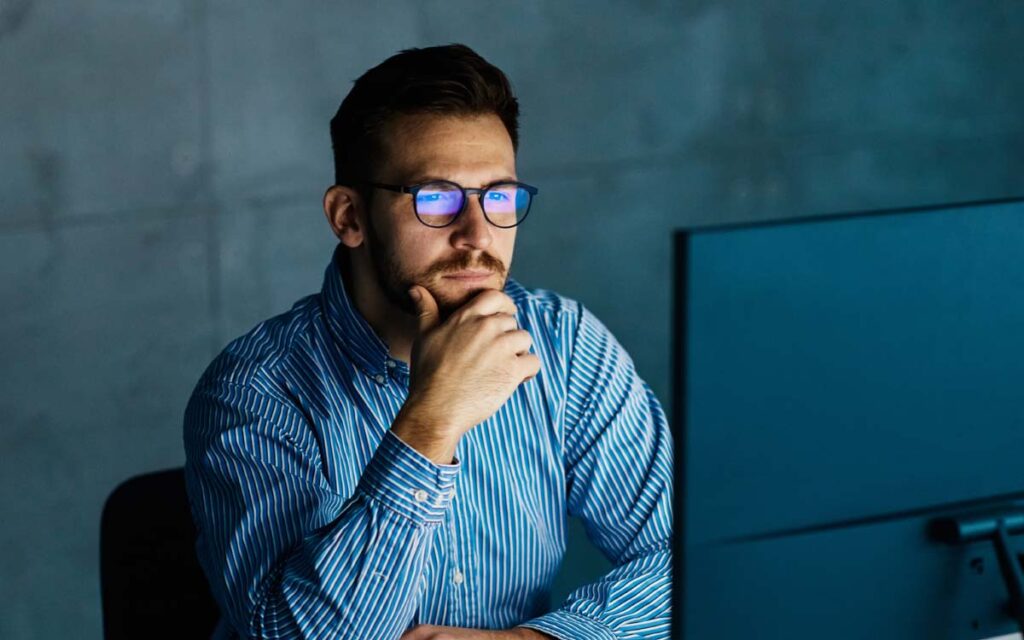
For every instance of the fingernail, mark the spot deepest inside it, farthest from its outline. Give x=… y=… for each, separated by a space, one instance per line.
x=414 y=293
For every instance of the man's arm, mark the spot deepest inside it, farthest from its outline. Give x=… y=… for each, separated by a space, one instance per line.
x=433 y=632
x=619 y=482
x=284 y=554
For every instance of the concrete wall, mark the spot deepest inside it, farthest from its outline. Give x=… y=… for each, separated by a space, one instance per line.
x=162 y=164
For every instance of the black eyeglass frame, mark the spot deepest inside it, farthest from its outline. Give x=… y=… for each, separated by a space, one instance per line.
x=466 y=192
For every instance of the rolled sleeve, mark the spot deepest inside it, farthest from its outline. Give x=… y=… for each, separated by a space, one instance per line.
x=566 y=625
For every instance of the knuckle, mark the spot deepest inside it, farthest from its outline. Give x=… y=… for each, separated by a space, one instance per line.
x=500 y=296
x=517 y=339
x=496 y=320
x=492 y=294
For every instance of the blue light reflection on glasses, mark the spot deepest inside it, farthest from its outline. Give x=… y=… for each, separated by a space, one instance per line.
x=448 y=202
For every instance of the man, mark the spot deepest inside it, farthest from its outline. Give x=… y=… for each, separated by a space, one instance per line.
x=396 y=456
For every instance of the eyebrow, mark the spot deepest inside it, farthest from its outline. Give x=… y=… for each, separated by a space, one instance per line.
x=421 y=178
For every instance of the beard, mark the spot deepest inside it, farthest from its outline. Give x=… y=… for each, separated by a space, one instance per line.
x=395 y=281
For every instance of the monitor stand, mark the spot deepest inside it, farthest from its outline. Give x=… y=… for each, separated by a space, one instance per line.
x=997 y=526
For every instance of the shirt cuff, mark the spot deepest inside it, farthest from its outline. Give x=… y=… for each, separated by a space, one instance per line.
x=408 y=482
x=567 y=625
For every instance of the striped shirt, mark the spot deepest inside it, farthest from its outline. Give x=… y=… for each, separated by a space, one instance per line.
x=315 y=521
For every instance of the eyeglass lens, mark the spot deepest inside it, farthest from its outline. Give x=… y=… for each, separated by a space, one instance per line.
x=438 y=203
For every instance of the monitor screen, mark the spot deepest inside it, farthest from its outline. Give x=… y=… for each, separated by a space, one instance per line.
x=840 y=382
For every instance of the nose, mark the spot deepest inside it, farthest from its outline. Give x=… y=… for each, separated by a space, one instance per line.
x=472 y=231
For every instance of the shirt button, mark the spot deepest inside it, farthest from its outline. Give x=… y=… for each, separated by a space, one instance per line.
x=451 y=494
x=420 y=495
x=379 y=379
x=457 y=578
x=391 y=364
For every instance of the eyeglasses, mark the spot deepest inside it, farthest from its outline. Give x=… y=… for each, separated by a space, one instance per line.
x=438 y=203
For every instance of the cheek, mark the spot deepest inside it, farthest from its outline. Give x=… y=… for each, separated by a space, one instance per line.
x=507 y=247
x=404 y=244
x=417 y=255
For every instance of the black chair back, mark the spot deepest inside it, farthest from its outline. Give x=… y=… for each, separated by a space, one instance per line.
x=150 y=579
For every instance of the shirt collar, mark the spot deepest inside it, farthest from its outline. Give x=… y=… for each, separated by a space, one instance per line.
x=354 y=334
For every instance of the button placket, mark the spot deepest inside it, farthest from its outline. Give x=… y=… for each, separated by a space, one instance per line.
x=455 y=574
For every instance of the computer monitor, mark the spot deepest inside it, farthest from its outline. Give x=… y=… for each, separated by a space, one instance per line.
x=848 y=398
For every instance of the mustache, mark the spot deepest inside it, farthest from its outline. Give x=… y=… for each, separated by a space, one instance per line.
x=465 y=263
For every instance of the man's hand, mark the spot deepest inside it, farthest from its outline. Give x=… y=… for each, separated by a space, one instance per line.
x=462 y=370
x=431 y=632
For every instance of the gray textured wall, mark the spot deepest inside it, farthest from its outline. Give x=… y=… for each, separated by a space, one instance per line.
x=162 y=164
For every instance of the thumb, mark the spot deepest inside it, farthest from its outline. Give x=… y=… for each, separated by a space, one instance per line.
x=426 y=307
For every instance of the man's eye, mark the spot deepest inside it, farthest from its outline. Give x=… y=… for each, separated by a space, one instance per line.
x=497 y=195
x=430 y=197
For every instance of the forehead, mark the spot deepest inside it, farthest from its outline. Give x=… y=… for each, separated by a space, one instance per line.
x=460 y=148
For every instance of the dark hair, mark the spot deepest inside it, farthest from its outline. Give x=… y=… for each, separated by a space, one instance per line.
x=450 y=80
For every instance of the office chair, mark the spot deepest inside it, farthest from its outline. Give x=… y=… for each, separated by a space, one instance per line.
x=150 y=579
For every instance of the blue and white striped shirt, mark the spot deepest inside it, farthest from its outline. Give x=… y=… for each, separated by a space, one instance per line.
x=316 y=521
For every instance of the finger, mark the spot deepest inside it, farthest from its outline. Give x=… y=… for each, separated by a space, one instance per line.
x=529 y=365
x=419 y=632
x=489 y=302
x=426 y=307
x=518 y=341
x=499 y=323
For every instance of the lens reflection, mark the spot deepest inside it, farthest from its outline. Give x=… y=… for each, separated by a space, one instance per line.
x=438 y=203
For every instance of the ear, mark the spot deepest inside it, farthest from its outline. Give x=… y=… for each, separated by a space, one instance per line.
x=341 y=205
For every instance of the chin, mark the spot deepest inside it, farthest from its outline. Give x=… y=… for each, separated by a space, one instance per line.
x=452 y=295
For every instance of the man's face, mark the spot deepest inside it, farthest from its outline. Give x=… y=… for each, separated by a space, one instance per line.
x=473 y=151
